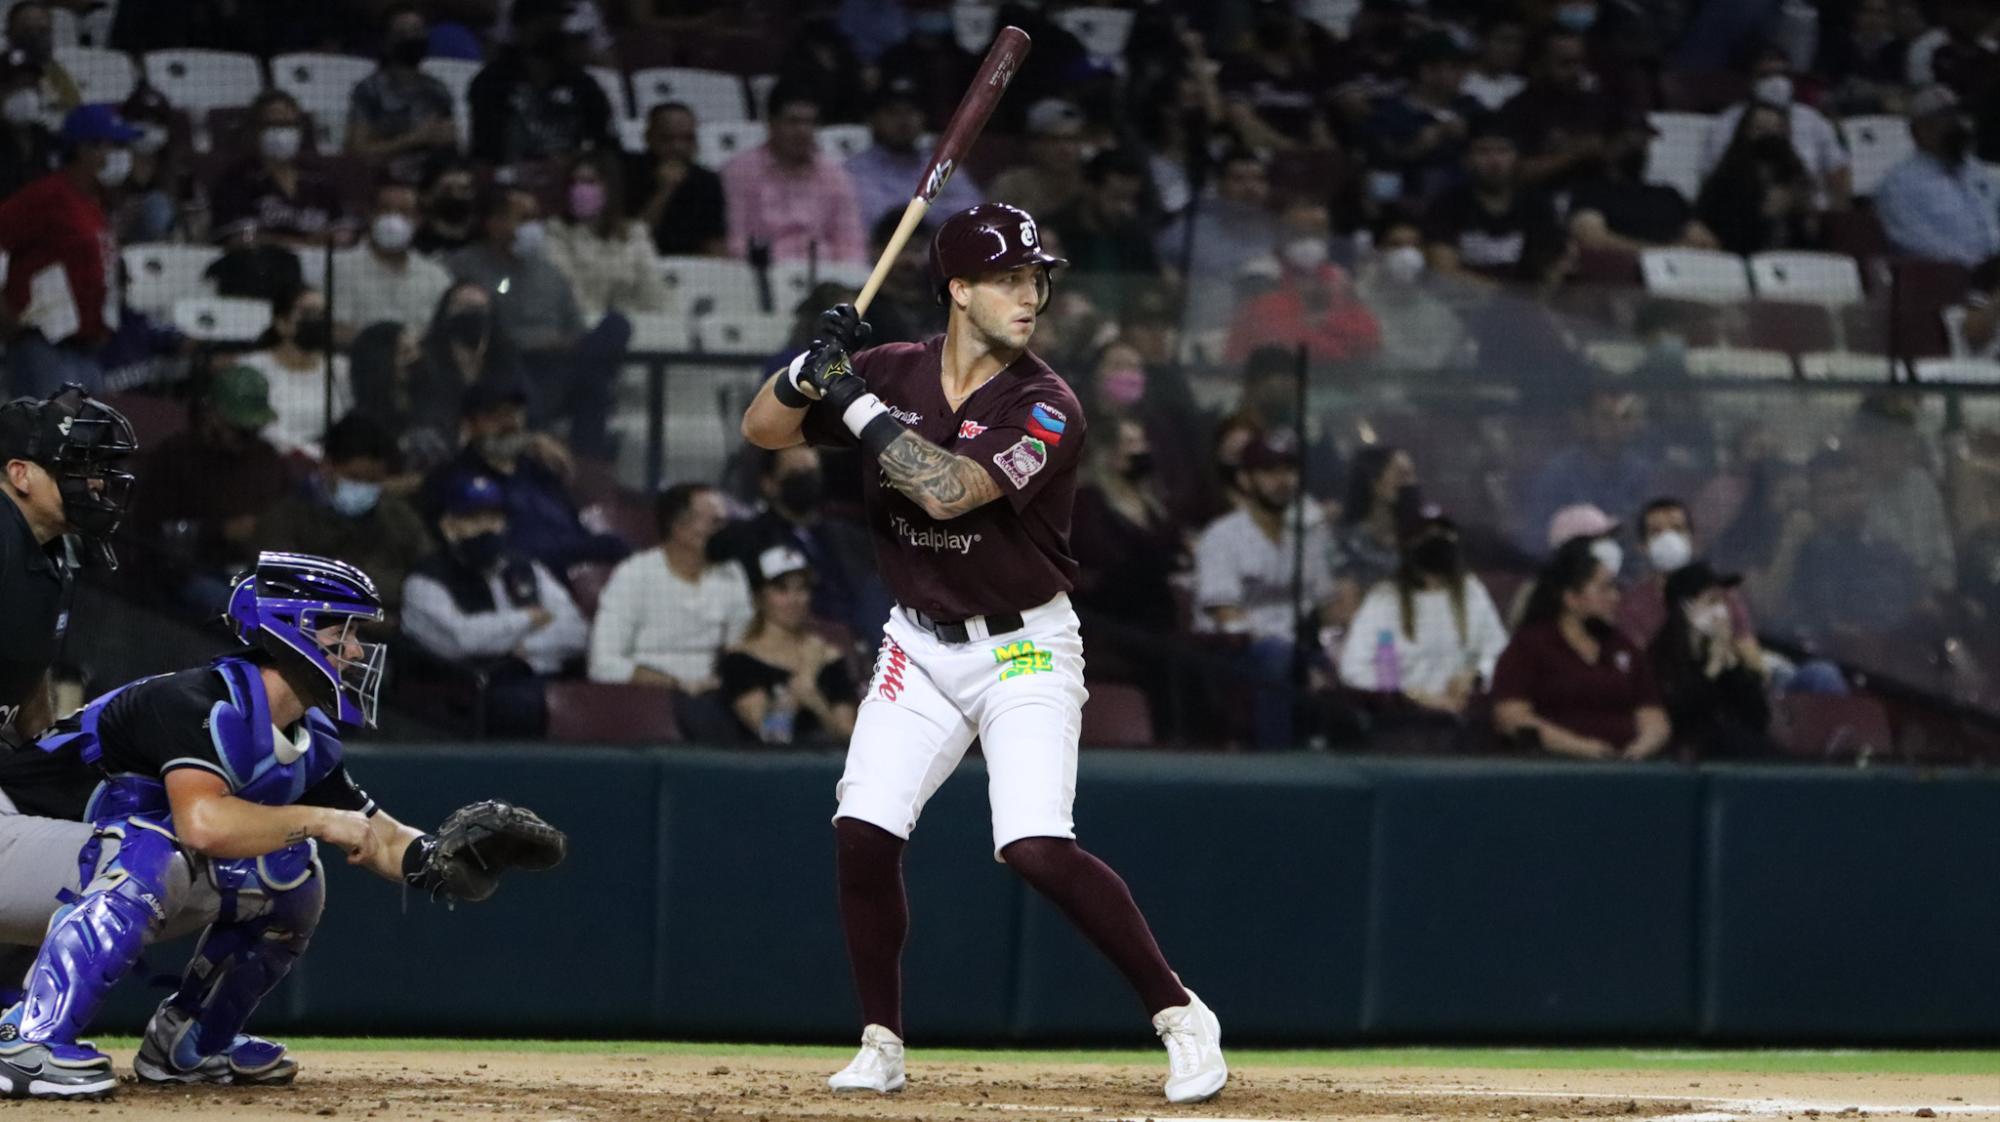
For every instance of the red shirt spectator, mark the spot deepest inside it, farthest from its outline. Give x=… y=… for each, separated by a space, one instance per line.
x=58 y=220
x=1317 y=308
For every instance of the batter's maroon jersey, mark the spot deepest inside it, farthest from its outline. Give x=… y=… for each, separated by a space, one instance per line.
x=1026 y=429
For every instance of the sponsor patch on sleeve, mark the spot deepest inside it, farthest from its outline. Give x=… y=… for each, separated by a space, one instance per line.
x=1020 y=460
x=1046 y=423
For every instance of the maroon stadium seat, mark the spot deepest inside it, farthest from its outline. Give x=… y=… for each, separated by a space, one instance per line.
x=605 y=713
x=586 y=584
x=1857 y=233
x=1919 y=296
x=1824 y=726
x=1780 y=325
x=153 y=418
x=629 y=517
x=1117 y=716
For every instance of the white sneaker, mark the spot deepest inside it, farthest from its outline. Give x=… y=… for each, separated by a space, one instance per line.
x=878 y=1067
x=1196 y=1070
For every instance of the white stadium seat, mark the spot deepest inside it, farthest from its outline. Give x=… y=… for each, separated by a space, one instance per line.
x=222 y=319
x=1982 y=371
x=1615 y=356
x=761 y=86
x=322 y=84
x=1102 y=31
x=1695 y=274
x=160 y=274
x=1674 y=156
x=841 y=142
x=1733 y=362
x=702 y=285
x=1828 y=278
x=655 y=332
x=1876 y=145
x=198 y=81
x=973 y=25
x=714 y=95
x=612 y=82
x=632 y=134
x=100 y=75
x=793 y=281
x=718 y=142
x=1844 y=366
x=740 y=334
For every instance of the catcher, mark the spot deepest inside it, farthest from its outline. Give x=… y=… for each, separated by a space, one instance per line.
x=224 y=778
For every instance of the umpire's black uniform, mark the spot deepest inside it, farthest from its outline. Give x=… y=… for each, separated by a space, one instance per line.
x=33 y=580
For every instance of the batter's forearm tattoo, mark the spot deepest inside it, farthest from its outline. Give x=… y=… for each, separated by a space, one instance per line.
x=945 y=485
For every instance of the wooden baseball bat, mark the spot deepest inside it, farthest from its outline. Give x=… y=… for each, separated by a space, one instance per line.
x=1003 y=61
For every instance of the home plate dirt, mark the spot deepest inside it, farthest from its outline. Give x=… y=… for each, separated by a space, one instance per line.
x=486 y=1087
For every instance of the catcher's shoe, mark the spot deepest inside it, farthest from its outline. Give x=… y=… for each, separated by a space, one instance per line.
x=32 y=1069
x=878 y=1067
x=1196 y=1070
x=167 y=1055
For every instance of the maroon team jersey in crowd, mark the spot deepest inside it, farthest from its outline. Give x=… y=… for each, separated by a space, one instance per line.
x=1025 y=428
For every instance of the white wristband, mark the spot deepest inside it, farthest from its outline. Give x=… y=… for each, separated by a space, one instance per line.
x=860 y=411
x=792 y=375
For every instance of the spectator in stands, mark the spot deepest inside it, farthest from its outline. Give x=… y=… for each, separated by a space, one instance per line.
x=450 y=211
x=668 y=613
x=1104 y=233
x=272 y=197
x=61 y=295
x=1714 y=696
x=906 y=309
x=1865 y=66
x=1839 y=581
x=204 y=489
x=462 y=348
x=382 y=279
x=1905 y=503
x=1601 y=466
x=1940 y=203
x=1052 y=176
x=607 y=257
x=1232 y=436
x=1759 y=197
x=791 y=489
x=1129 y=552
x=682 y=201
x=482 y=605
x=1270 y=90
x=1421 y=333
x=1568 y=682
x=588 y=33
x=1491 y=226
x=1813 y=137
x=162 y=179
x=344 y=510
x=1666 y=546
x=1230 y=229
x=1559 y=119
x=535 y=100
x=1174 y=128
x=1270 y=403
x=1314 y=303
x=929 y=56
x=789 y=199
x=1415 y=139
x=783 y=682
x=28 y=149
x=1430 y=632
x=1382 y=498
x=570 y=364
x=399 y=118
x=1495 y=74
x=31 y=30
x=885 y=172
x=1958 y=51
x=820 y=64
x=1248 y=581
x=1612 y=207
x=398 y=389
x=1589 y=522
x=294 y=359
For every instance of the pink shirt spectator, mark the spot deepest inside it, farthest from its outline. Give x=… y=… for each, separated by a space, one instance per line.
x=791 y=208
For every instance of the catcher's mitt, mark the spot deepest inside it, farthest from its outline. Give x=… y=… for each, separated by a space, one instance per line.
x=477 y=843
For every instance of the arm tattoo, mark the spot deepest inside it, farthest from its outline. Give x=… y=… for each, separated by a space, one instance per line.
x=945 y=485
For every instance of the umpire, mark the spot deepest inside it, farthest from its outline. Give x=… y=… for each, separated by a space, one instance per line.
x=59 y=472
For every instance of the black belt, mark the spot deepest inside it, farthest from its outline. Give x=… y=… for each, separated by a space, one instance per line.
x=999 y=623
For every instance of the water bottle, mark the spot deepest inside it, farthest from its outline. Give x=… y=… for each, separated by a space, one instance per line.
x=1388 y=663
x=780 y=718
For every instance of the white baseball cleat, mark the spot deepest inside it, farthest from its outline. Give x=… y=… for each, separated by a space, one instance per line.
x=1196 y=1070
x=878 y=1067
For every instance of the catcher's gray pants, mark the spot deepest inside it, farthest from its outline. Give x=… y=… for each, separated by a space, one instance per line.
x=38 y=860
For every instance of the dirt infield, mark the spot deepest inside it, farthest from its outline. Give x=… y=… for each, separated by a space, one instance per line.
x=488 y=1086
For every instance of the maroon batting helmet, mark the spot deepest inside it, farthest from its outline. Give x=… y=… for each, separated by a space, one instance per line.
x=986 y=239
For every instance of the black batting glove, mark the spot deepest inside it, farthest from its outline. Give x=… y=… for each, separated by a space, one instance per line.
x=843 y=324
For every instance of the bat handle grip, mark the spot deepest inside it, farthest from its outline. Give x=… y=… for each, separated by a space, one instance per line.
x=913 y=216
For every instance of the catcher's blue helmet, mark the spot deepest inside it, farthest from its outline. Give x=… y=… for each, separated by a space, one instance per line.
x=292 y=601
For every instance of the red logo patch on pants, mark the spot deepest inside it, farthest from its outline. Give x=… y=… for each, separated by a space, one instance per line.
x=889 y=667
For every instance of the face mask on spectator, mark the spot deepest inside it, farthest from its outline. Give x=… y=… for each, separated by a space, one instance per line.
x=1123 y=386
x=353 y=498
x=466 y=328
x=1774 y=89
x=1304 y=254
x=480 y=551
x=23 y=107
x=117 y=167
x=529 y=238
x=1576 y=17
x=1669 y=551
x=1710 y=619
x=1138 y=466
x=391 y=233
x=586 y=200
x=282 y=142
x=1403 y=264
x=802 y=491
x=1609 y=554
x=313 y=334
x=409 y=51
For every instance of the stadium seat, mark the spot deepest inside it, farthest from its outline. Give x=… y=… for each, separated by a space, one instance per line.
x=1615 y=356
x=719 y=142
x=610 y=713
x=1674 y=156
x=154 y=418
x=715 y=96
x=1696 y=274
x=222 y=319
x=842 y=142
x=457 y=75
x=1117 y=715
x=793 y=281
x=1976 y=371
x=197 y=81
x=1845 y=366
x=760 y=86
x=1920 y=292
x=654 y=332
x=612 y=82
x=627 y=517
x=973 y=25
x=586 y=585
x=1865 y=328
x=1781 y=325
x=704 y=285
x=322 y=83
x=632 y=135
x=159 y=274
x=1857 y=233
x=1102 y=31
x=100 y=75
x=1734 y=362
x=1828 y=726
x=1876 y=144
x=1827 y=278
x=740 y=333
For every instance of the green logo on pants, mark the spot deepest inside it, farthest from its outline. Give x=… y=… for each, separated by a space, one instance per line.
x=1016 y=659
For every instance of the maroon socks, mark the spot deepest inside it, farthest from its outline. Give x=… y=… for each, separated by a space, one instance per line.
x=875 y=915
x=1096 y=900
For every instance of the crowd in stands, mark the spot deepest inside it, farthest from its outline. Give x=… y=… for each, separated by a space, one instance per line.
x=1271 y=211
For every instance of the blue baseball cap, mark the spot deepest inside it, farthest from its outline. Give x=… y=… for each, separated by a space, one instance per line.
x=98 y=123
x=474 y=494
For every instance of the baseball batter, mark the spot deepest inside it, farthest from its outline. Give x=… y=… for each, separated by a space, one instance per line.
x=971 y=445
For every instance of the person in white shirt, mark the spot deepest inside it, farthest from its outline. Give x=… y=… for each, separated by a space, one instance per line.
x=294 y=361
x=667 y=613
x=1814 y=137
x=607 y=256
x=1495 y=76
x=1432 y=632
x=383 y=279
